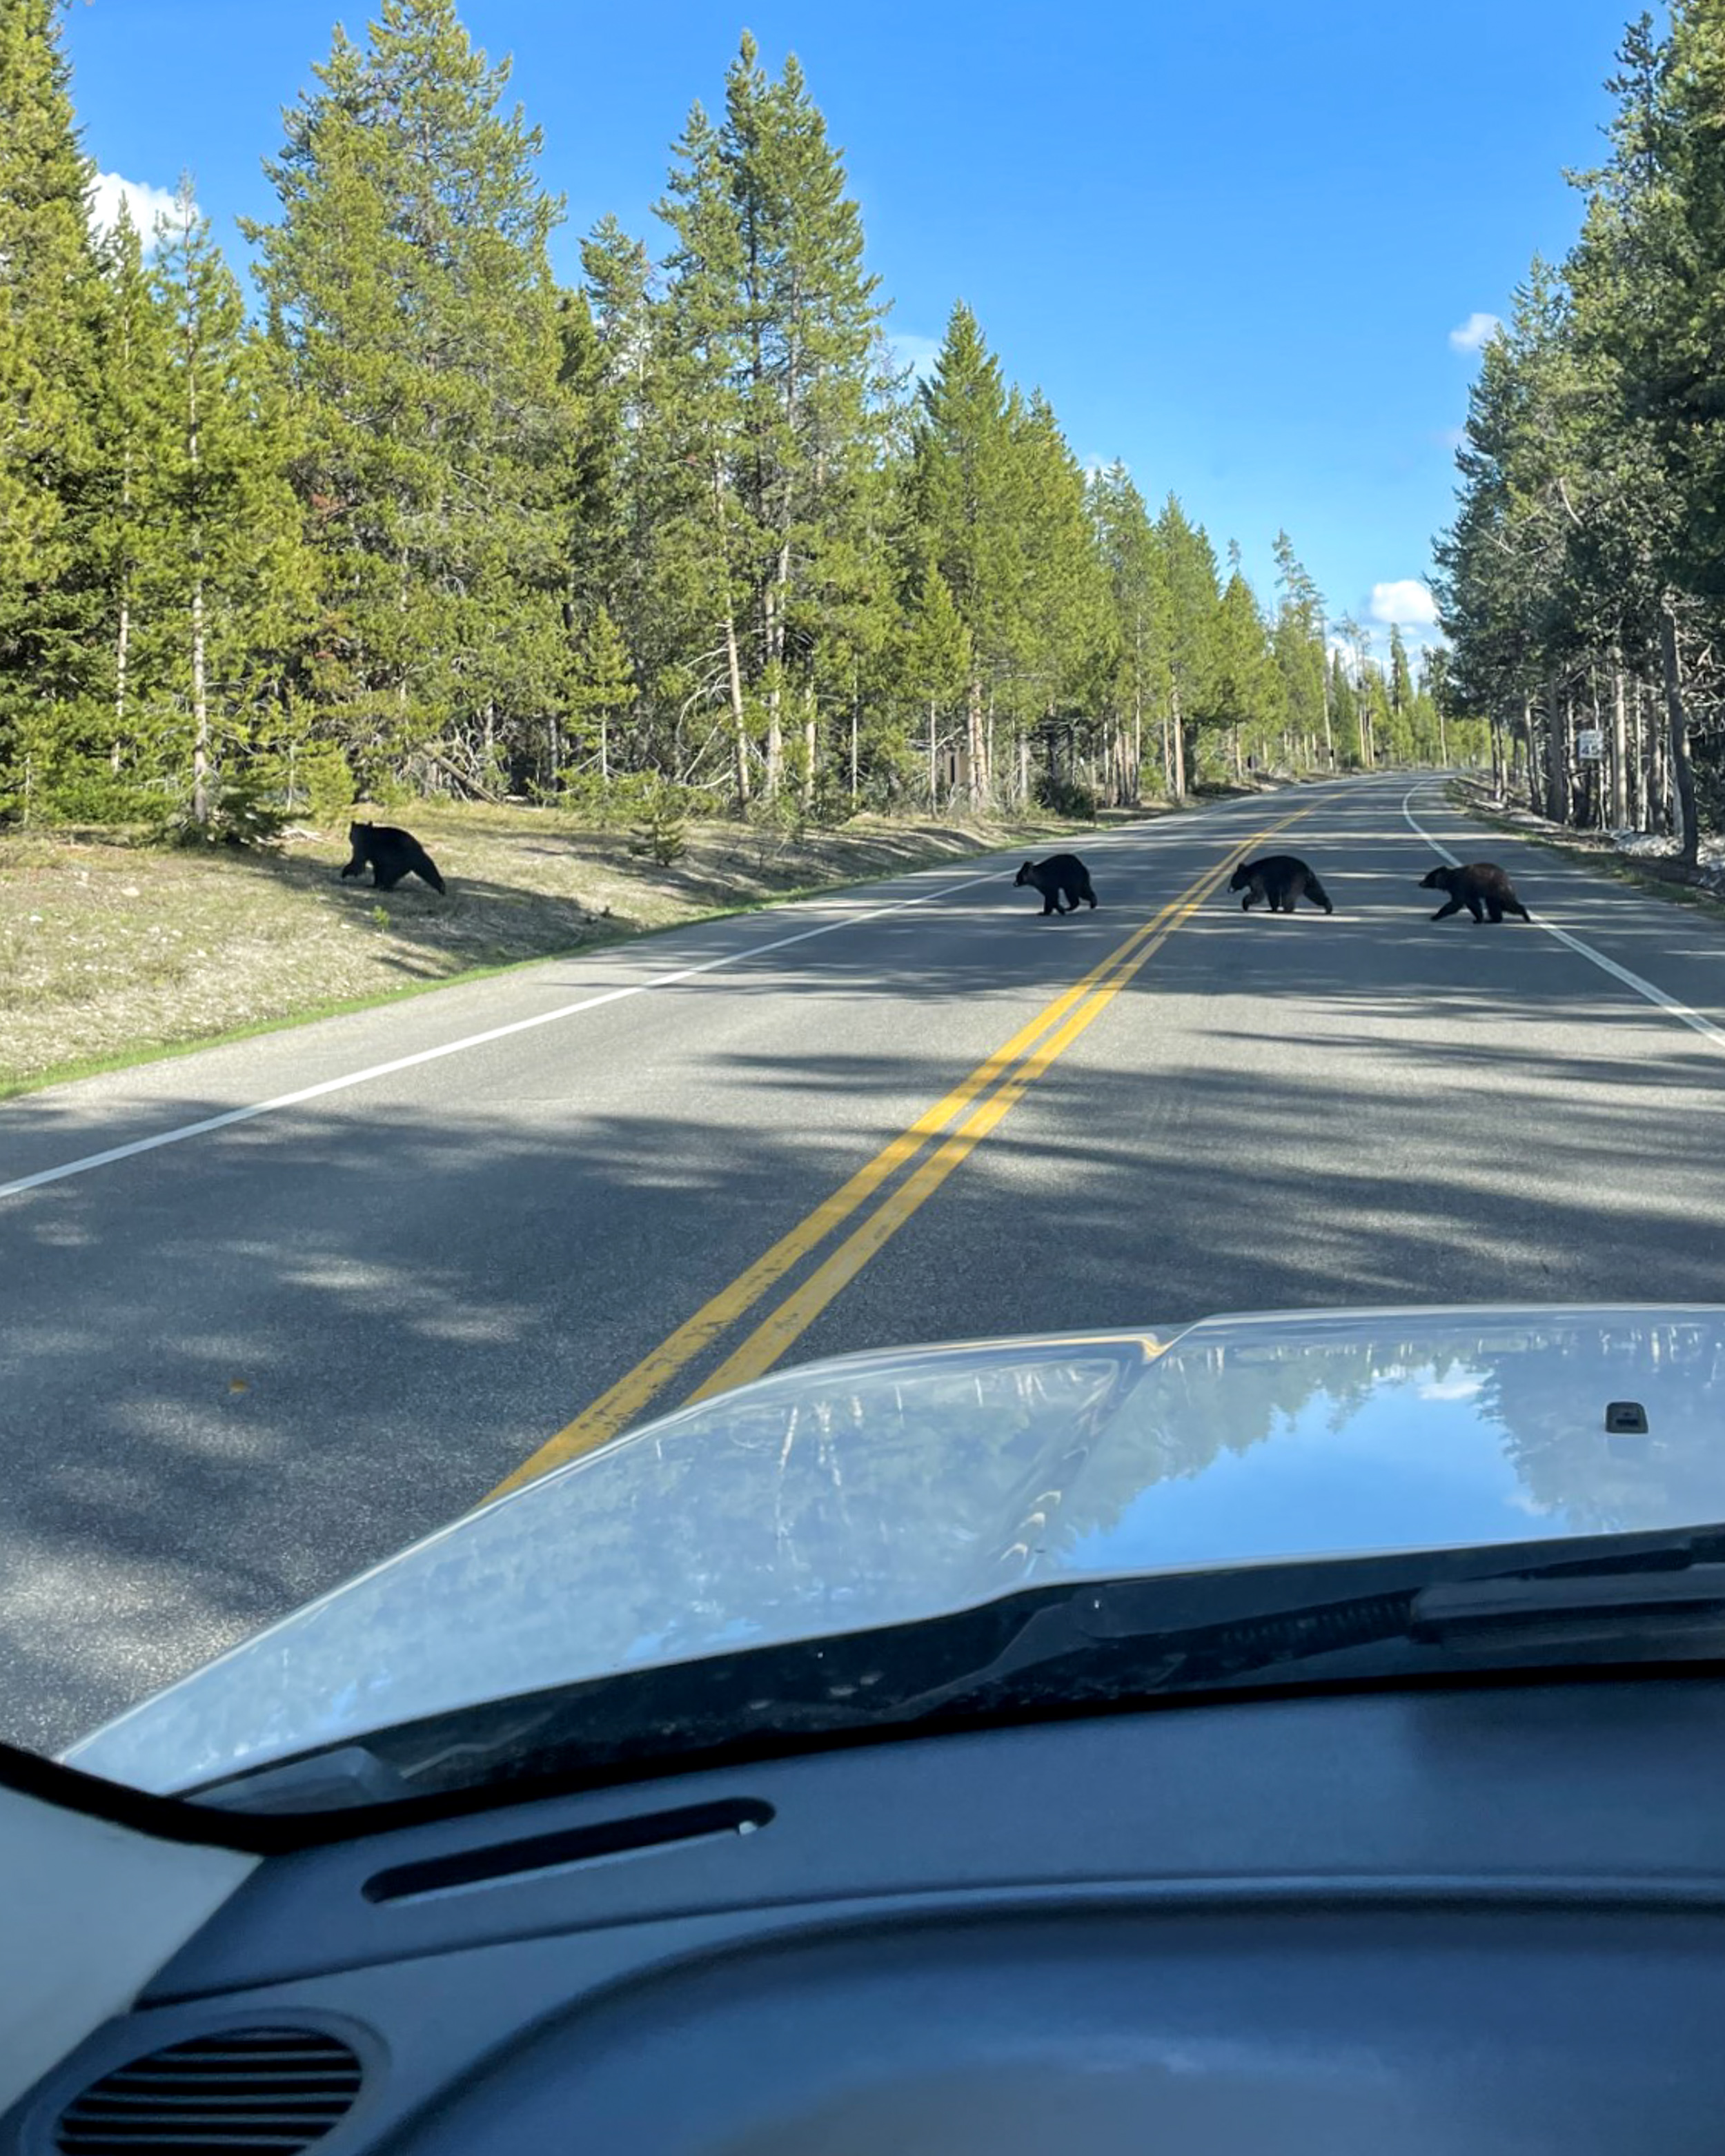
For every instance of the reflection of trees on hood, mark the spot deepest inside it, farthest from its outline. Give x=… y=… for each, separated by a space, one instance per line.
x=744 y=1510
x=837 y=1499
x=1198 y=1403
x=1550 y=1393
x=842 y=1488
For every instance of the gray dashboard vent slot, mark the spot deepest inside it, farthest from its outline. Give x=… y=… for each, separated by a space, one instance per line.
x=240 y=2093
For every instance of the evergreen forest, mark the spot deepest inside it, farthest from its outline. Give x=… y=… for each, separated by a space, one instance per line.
x=395 y=513
x=1582 y=585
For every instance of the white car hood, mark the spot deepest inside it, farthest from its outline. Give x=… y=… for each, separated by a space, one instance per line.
x=881 y=1489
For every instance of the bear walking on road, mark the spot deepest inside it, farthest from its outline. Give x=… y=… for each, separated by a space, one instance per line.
x=1482 y=887
x=392 y=855
x=1060 y=876
x=1283 y=879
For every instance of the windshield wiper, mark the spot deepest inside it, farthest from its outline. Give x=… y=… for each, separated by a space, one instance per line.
x=1045 y=1650
x=1631 y=1605
x=1107 y=1643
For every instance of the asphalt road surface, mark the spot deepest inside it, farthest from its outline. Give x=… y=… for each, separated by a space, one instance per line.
x=421 y=1246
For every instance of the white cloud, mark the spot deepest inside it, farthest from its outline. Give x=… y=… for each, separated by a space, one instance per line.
x=1405 y=604
x=1417 y=637
x=918 y=353
x=1451 y=1389
x=1477 y=330
x=108 y=190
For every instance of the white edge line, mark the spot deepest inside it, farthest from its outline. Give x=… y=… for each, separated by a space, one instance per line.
x=1692 y=1018
x=230 y=1115
x=181 y=1132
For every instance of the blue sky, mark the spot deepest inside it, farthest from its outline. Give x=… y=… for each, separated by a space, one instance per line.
x=1230 y=238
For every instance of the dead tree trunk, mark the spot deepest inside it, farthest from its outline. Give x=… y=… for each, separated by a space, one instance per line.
x=1178 y=730
x=1556 y=789
x=1688 y=830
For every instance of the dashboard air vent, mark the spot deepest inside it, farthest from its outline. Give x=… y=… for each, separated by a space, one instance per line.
x=237 y=2094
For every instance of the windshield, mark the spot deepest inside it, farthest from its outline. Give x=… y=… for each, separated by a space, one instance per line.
x=687 y=711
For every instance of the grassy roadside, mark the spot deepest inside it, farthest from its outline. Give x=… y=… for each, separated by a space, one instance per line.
x=1587 y=850
x=112 y=954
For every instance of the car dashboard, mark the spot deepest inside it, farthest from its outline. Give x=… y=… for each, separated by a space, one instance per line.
x=1482 y=1918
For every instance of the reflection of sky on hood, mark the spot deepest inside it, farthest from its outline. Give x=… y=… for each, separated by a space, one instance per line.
x=888 y=1489
x=1383 y=1479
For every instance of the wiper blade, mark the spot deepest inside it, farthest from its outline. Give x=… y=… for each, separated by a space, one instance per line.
x=1566 y=1608
x=1114 y=1642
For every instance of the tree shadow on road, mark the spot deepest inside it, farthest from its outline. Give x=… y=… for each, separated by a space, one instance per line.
x=238 y=1372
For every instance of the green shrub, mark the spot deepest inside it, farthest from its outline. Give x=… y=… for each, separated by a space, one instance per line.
x=320 y=776
x=89 y=790
x=664 y=831
x=242 y=812
x=1068 y=798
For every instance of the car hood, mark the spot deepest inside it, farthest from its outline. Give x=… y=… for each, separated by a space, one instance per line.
x=881 y=1489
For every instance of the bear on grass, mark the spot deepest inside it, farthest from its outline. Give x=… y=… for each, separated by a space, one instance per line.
x=390 y=854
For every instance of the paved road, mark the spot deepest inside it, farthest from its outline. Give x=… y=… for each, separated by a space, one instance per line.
x=238 y=1366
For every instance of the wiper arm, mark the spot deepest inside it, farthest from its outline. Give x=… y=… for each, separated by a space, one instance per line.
x=1115 y=1642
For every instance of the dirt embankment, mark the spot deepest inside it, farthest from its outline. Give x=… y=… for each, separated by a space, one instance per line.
x=109 y=951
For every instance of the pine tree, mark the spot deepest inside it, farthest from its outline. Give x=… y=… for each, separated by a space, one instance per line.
x=135 y=363
x=1246 y=692
x=772 y=330
x=1137 y=583
x=1194 y=603
x=1344 y=714
x=1300 y=656
x=220 y=578
x=411 y=300
x=1062 y=646
x=968 y=513
x=1401 y=679
x=938 y=662
x=660 y=558
x=52 y=650
x=601 y=684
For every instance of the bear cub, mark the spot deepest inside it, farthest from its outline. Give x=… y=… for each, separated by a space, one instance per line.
x=1280 y=878
x=1060 y=876
x=392 y=855
x=1481 y=887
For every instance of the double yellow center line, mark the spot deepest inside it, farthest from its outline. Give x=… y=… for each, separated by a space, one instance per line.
x=984 y=1099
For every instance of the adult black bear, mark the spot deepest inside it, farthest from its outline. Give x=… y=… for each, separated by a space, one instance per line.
x=1280 y=878
x=392 y=855
x=1060 y=876
x=1481 y=887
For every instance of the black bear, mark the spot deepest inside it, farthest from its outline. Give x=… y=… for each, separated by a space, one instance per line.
x=392 y=854
x=1280 y=878
x=1060 y=876
x=1482 y=887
